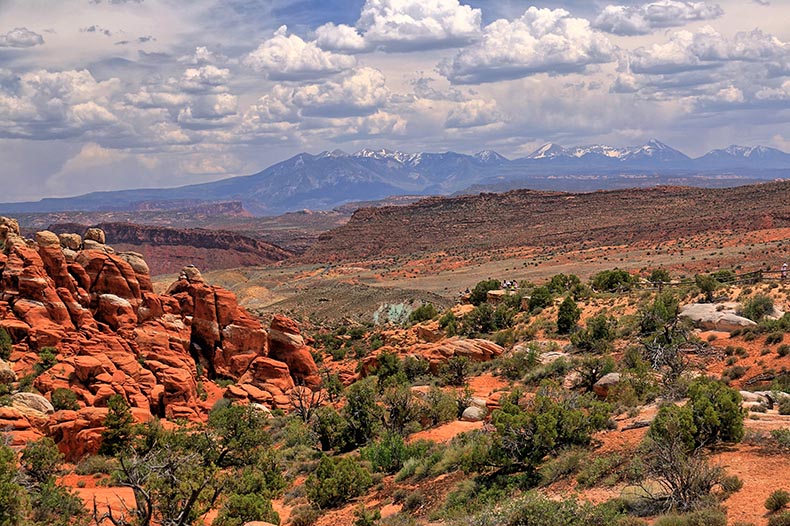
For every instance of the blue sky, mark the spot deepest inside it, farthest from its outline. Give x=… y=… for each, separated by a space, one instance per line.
x=109 y=94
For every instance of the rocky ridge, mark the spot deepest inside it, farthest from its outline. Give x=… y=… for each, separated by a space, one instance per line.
x=527 y=218
x=169 y=249
x=111 y=334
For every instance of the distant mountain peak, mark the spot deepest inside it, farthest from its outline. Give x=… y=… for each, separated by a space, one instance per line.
x=489 y=156
x=548 y=151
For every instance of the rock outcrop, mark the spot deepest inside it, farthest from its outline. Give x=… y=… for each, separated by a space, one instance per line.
x=715 y=317
x=111 y=334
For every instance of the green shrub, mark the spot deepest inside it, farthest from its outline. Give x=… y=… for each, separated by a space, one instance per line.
x=552 y=420
x=659 y=275
x=597 y=335
x=64 y=399
x=47 y=359
x=757 y=307
x=480 y=291
x=238 y=510
x=784 y=406
x=336 y=481
x=516 y=364
x=716 y=410
x=540 y=298
x=707 y=284
x=118 y=426
x=424 y=312
x=415 y=367
x=388 y=454
x=777 y=500
x=780 y=519
x=612 y=280
x=448 y=323
x=704 y=517
x=5 y=344
x=783 y=350
x=413 y=501
x=603 y=468
x=782 y=437
x=13 y=503
x=562 y=284
x=456 y=370
x=567 y=316
x=96 y=464
x=591 y=369
x=304 y=515
x=566 y=464
x=366 y=517
x=41 y=460
x=774 y=338
x=533 y=509
x=439 y=407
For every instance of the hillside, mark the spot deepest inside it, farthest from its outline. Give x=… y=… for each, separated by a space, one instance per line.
x=524 y=218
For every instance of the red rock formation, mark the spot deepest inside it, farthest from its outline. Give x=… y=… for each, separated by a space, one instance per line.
x=287 y=345
x=115 y=336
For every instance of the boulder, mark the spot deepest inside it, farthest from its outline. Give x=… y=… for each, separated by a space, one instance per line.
x=477 y=350
x=474 y=414
x=713 y=317
x=7 y=374
x=8 y=226
x=603 y=386
x=265 y=371
x=95 y=234
x=31 y=401
x=552 y=356
x=287 y=345
x=70 y=241
x=45 y=238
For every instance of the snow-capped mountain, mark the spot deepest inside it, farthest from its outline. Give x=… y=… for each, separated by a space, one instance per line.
x=745 y=156
x=333 y=178
x=653 y=150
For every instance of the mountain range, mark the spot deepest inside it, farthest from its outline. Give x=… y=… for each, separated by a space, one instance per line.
x=330 y=179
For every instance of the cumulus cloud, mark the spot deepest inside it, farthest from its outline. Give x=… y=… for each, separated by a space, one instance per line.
x=540 y=41
x=203 y=55
x=473 y=113
x=686 y=51
x=43 y=105
x=288 y=57
x=645 y=19
x=361 y=93
x=339 y=38
x=21 y=37
x=204 y=78
x=781 y=93
x=408 y=24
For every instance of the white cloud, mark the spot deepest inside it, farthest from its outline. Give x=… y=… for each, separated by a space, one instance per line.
x=645 y=19
x=473 y=113
x=210 y=164
x=360 y=93
x=408 y=24
x=687 y=51
x=203 y=55
x=288 y=57
x=781 y=93
x=542 y=40
x=339 y=38
x=204 y=78
x=44 y=105
x=21 y=37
